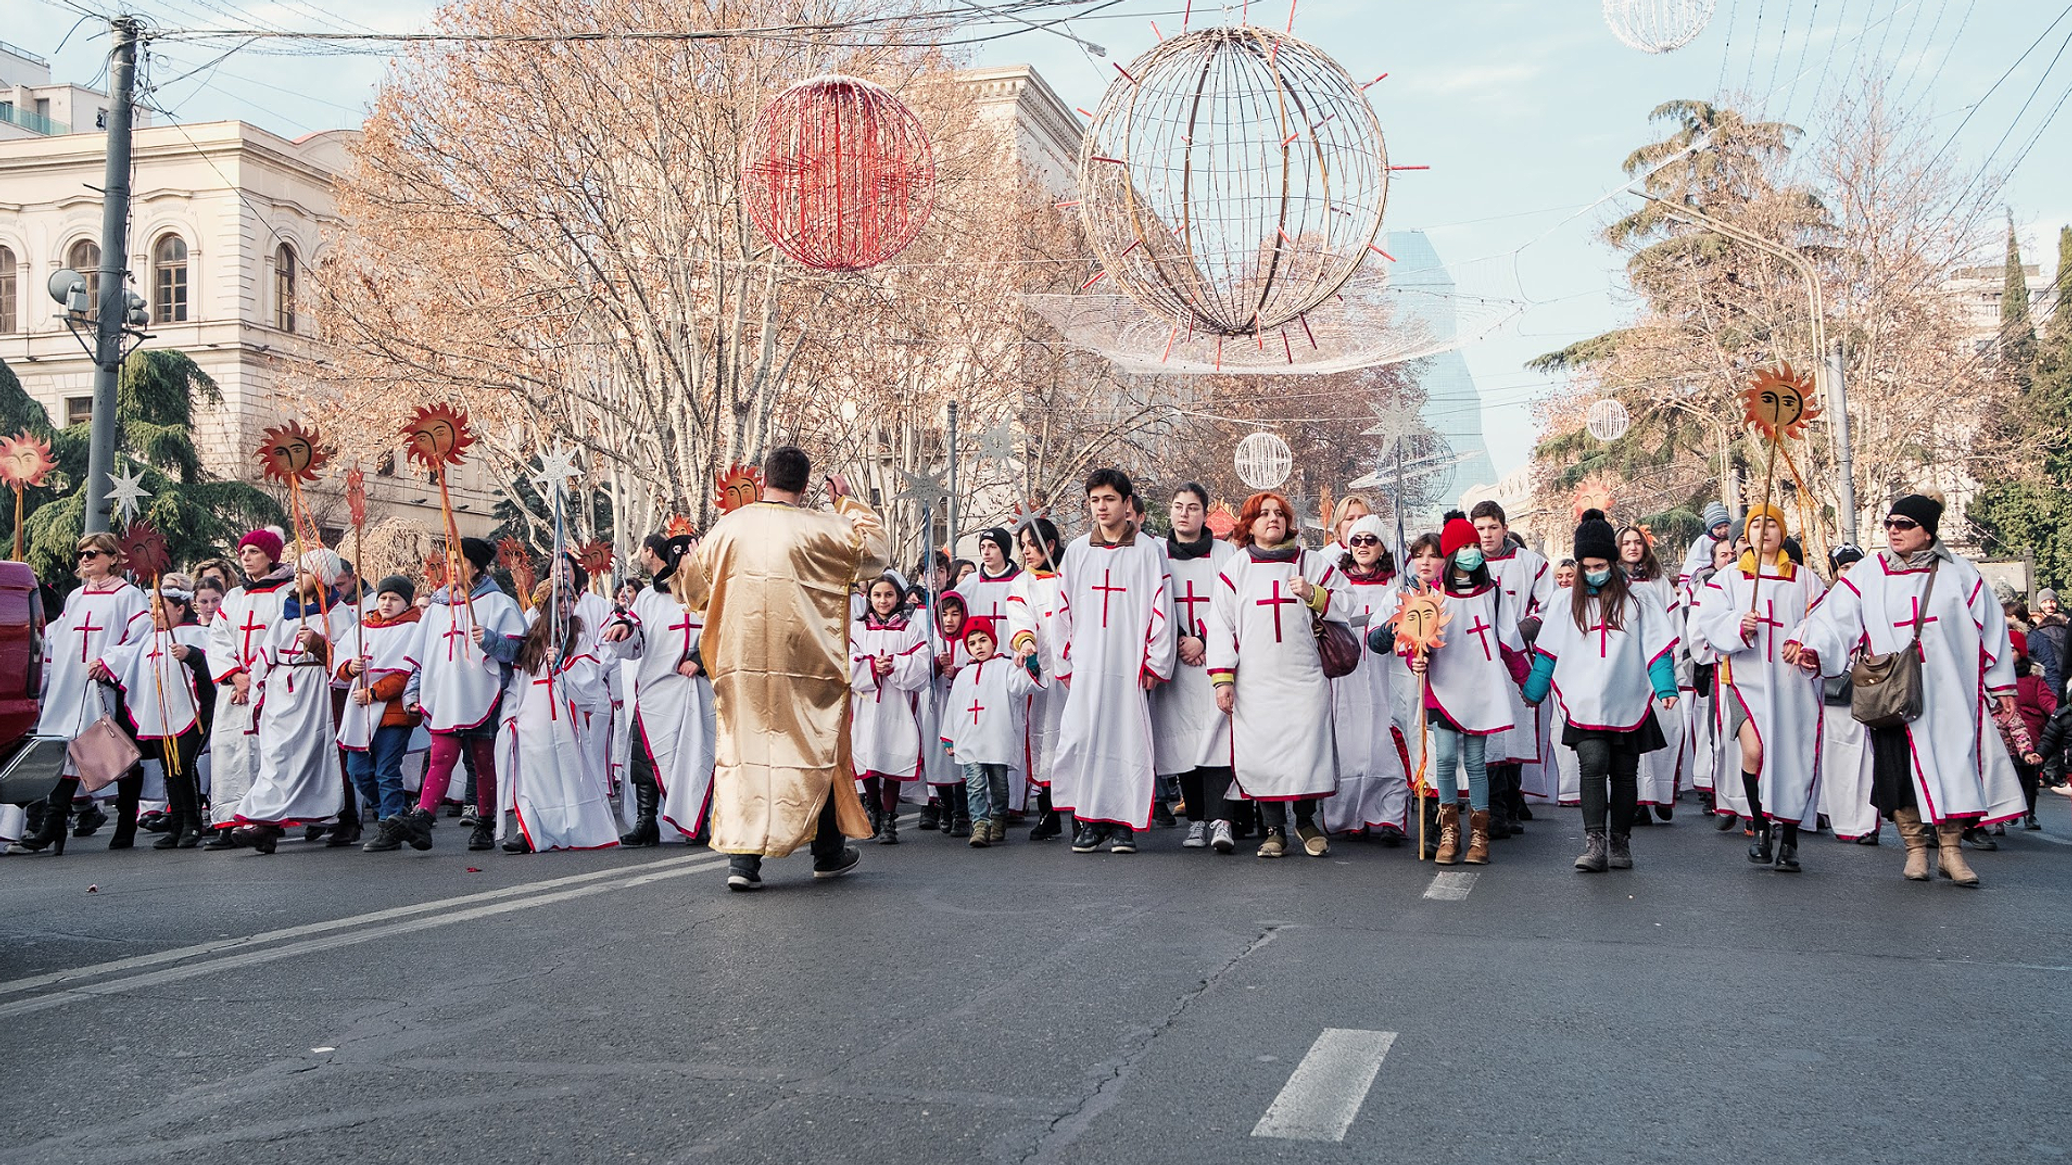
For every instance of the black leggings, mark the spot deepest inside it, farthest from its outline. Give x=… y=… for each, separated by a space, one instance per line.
x=1614 y=758
x=1204 y=790
x=1276 y=813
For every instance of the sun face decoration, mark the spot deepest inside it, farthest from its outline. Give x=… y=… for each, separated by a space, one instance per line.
x=437 y=436
x=595 y=558
x=291 y=453
x=1593 y=493
x=679 y=527
x=24 y=461
x=512 y=555
x=435 y=567
x=1221 y=520
x=739 y=486
x=1779 y=403
x=1421 y=616
x=144 y=550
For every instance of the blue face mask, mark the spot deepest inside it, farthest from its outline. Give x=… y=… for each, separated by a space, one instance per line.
x=1597 y=578
x=1468 y=557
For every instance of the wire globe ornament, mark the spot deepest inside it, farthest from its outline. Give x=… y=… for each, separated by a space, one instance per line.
x=1658 y=26
x=1607 y=419
x=838 y=174
x=1263 y=460
x=1232 y=179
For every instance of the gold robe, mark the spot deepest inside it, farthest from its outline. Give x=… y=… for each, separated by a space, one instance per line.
x=774 y=582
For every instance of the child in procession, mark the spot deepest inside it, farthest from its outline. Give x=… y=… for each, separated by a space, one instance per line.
x=375 y=728
x=888 y=672
x=983 y=725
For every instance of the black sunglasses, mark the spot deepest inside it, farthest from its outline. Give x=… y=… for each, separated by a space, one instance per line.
x=86 y=554
x=1363 y=540
x=1901 y=524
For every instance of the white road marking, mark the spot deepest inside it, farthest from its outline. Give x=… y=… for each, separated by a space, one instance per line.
x=1451 y=886
x=2048 y=838
x=136 y=962
x=1327 y=1088
x=59 y=998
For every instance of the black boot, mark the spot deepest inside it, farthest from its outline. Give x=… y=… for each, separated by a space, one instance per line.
x=49 y=833
x=888 y=827
x=929 y=815
x=483 y=835
x=960 y=816
x=1759 y=850
x=647 y=798
x=223 y=838
x=90 y=819
x=1431 y=827
x=417 y=828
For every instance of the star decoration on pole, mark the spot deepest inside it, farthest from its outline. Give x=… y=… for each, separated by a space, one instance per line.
x=126 y=493
x=1391 y=425
x=925 y=489
x=997 y=443
x=557 y=467
x=1025 y=518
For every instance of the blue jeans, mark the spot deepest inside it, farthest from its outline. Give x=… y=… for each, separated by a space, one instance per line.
x=1450 y=747
x=987 y=786
x=377 y=771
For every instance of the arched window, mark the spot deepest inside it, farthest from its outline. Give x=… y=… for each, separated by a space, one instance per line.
x=169 y=268
x=85 y=258
x=284 y=288
x=9 y=321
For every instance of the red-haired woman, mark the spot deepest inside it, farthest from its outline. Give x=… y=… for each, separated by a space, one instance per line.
x=1262 y=657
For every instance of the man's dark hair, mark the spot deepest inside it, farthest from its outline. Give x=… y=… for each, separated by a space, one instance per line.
x=1487 y=508
x=787 y=468
x=1114 y=479
x=1197 y=489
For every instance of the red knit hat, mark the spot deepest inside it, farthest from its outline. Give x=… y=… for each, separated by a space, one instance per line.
x=1459 y=534
x=979 y=623
x=2020 y=642
x=265 y=540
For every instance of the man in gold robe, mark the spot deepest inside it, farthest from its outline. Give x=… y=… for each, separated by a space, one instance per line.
x=774 y=580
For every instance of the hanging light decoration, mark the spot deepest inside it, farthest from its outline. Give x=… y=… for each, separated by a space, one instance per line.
x=1658 y=26
x=1232 y=179
x=1607 y=419
x=838 y=174
x=1263 y=460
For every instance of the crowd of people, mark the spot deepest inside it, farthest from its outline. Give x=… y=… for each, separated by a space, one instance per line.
x=1087 y=691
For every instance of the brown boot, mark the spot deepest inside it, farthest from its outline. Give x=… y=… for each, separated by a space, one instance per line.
x=1478 y=838
x=1449 y=835
x=1915 y=834
x=1949 y=837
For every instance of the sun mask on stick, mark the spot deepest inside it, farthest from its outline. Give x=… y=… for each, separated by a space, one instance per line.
x=1421 y=618
x=1777 y=405
x=740 y=485
x=24 y=461
x=436 y=437
x=144 y=551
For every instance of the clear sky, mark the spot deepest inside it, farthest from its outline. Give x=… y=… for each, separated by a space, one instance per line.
x=1523 y=109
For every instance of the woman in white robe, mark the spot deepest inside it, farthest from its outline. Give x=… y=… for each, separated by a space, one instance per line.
x=1663 y=771
x=163 y=700
x=674 y=724
x=1946 y=769
x=1773 y=708
x=1033 y=611
x=301 y=780
x=888 y=671
x=1262 y=657
x=556 y=790
x=1373 y=791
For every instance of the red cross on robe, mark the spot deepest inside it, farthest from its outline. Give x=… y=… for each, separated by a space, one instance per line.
x=1107 y=577
x=1275 y=602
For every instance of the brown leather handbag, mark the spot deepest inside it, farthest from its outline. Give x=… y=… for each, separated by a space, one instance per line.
x=1337 y=649
x=102 y=751
x=1885 y=690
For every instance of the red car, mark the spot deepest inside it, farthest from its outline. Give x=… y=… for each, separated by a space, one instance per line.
x=21 y=652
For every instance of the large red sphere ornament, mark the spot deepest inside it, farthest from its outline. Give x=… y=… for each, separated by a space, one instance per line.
x=838 y=174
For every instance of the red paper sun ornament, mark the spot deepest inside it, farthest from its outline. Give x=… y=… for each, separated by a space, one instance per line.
x=512 y=555
x=739 y=486
x=679 y=527
x=24 y=460
x=356 y=495
x=435 y=570
x=437 y=436
x=291 y=452
x=144 y=550
x=595 y=558
x=1221 y=520
x=838 y=174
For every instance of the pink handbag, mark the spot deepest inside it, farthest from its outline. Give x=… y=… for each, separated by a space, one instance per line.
x=102 y=752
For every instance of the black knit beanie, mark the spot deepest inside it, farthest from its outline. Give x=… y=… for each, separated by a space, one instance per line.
x=1595 y=538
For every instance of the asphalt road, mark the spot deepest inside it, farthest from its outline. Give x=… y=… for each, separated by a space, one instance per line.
x=1027 y=1004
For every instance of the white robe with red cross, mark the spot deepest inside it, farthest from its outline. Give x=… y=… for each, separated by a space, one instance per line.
x=1116 y=617
x=1527 y=582
x=237 y=638
x=1373 y=787
x=458 y=683
x=1188 y=730
x=1961 y=771
x=300 y=777
x=994 y=599
x=1260 y=638
x=1779 y=699
x=982 y=724
x=93 y=621
x=884 y=725
x=1469 y=680
x=157 y=687
x=545 y=770
x=1033 y=608
x=1665 y=770
x=673 y=715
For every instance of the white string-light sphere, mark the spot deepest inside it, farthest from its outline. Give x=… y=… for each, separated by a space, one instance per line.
x=1264 y=460
x=1232 y=179
x=1658 y=26
x=1607 y=419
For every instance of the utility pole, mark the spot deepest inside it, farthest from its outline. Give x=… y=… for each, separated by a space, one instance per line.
x=114 y=271
x=1845 y=461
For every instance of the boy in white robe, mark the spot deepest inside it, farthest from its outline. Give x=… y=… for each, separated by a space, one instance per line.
x=1190 y=735
x=375 y=728
x=1515 y=760
x=1946 y=769
x=1116 y=618
x=983 y=727
x=989 y=594
x=674 y=725
x=300 y=780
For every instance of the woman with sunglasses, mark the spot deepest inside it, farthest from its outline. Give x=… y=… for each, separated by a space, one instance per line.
x=104 y=612
x=1373 y=788
x=1937 y=772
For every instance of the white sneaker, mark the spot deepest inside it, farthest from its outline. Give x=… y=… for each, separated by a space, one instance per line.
x=1197 y=835
x=1219 y=837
